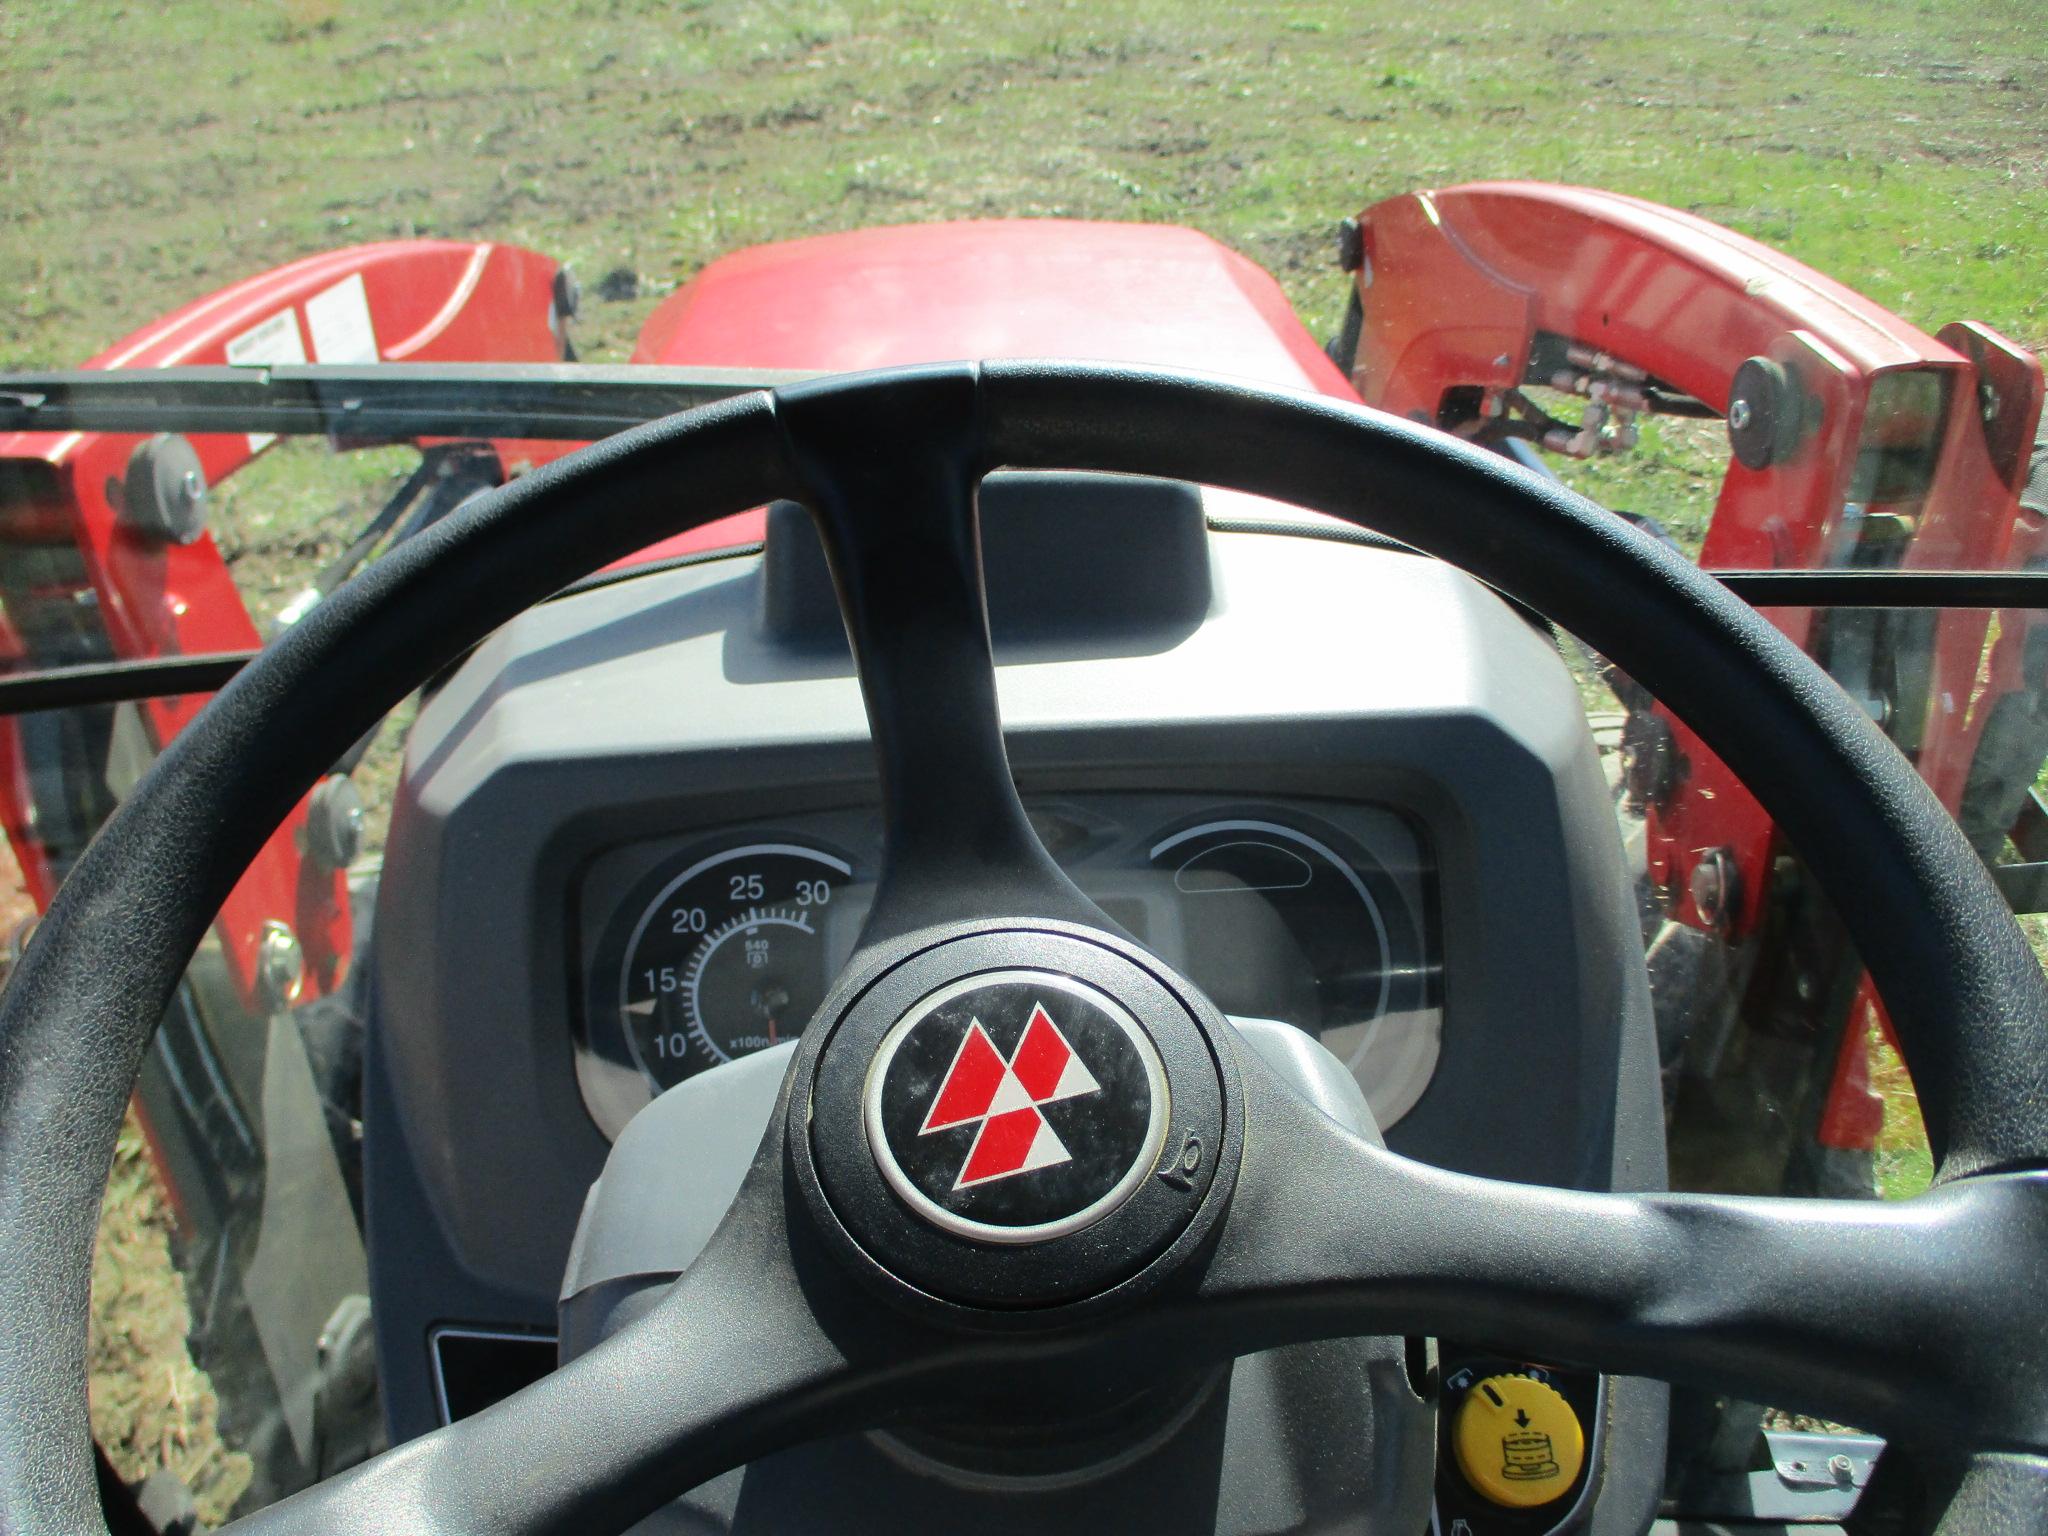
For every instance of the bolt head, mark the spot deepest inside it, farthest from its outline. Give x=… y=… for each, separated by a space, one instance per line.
x=1713 y=887
x=280 y=964
x=1740 y=413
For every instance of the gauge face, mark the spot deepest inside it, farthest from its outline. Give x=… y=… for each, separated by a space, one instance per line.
x=1279 y=924
x=727 y=958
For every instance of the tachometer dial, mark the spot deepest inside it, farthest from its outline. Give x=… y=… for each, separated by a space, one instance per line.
x=727 y=958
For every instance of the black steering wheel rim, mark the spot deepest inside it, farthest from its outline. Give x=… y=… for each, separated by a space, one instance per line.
x=1965 y=993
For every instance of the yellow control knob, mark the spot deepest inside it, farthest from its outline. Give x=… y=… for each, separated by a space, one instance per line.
x=1518 y=1442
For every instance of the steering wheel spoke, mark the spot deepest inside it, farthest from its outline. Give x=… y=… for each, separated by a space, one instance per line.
x=1900 y=1317
x=898 y=517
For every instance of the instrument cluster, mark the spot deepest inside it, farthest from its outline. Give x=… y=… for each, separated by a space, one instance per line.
x=701 y=948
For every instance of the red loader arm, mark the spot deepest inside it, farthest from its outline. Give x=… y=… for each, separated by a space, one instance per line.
x=103 y=552
x=1857 y=441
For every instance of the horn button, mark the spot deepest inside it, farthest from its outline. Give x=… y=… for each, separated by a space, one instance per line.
x=1019 y=1119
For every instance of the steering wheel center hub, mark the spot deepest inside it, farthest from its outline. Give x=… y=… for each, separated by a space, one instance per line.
x=1018 y=1117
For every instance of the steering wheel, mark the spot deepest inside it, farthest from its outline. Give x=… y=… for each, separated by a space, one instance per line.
x=1213 y=1212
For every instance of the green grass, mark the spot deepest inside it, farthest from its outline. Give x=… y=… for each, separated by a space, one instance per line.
x=1673 y=474
x=281 y=519
x=1905 y=1164
x=152 y=153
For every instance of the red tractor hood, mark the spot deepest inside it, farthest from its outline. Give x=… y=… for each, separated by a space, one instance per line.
x=874 y=298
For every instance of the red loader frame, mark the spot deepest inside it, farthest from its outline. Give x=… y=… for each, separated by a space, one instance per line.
x=104 y=555
x=133 y=590
x=1858 y=441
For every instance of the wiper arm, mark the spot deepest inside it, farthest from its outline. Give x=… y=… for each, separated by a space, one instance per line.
x=377 y=401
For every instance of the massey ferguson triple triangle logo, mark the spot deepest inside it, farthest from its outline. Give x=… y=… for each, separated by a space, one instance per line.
x=1004 y=1097
x=1011 y=1072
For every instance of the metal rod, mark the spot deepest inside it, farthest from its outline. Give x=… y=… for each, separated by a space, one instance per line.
x=118 y=682
x=165 y=677
x=1888 y=589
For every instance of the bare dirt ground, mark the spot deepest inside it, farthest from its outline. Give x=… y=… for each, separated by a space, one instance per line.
x=151 y=1407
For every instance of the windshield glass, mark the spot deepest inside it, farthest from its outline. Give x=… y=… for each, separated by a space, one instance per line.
x=1766 y=284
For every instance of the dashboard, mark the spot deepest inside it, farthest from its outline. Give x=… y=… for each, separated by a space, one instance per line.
x=700 y=949
x=1338 y=786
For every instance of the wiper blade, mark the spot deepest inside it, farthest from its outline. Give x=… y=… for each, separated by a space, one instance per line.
x=569 y=401
x=580 y=402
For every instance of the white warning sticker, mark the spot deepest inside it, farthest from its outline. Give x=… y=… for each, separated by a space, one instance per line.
x=276 y=340
x=340 y=322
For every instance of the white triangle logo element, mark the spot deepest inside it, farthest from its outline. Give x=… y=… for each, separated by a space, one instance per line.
x=1046 y=1149
x=1075 y=1078
x=1010 y=1094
